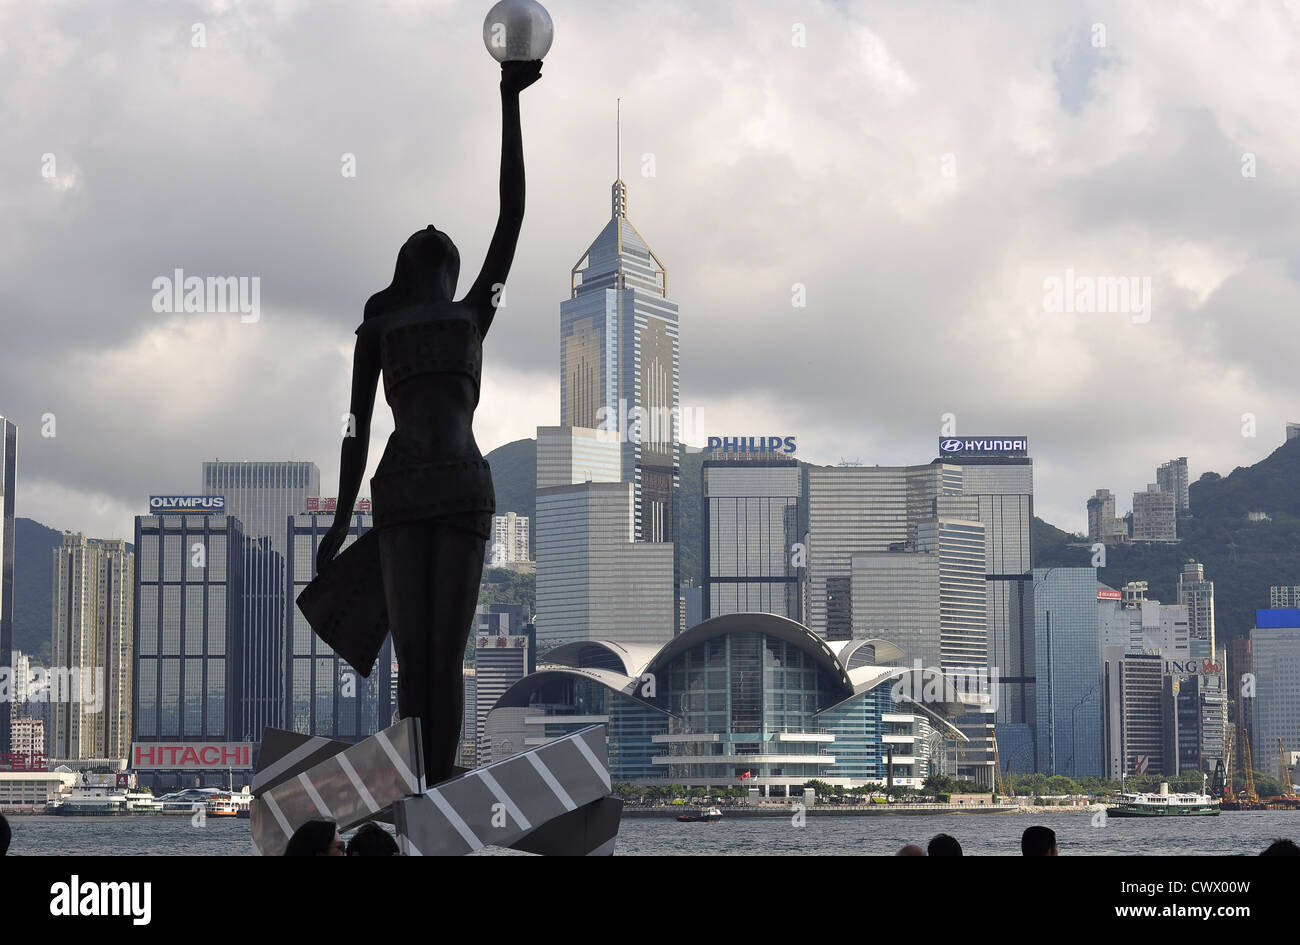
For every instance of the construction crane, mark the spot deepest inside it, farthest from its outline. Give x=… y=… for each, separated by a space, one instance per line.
x=1249 y=794
x=1288 y=799
x=997 y=767
x=1227 y=782
x=1284 y=770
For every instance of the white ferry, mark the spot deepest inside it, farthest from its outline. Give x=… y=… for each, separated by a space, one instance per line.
x=230 y=805
x=104 y=801
x=1164 y=804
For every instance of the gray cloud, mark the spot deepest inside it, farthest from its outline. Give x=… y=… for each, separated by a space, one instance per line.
x=774 y=165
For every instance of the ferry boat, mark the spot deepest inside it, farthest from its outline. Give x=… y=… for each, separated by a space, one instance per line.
x=706 y=816
x=1164 y=804
x=230 y=805
x=104 y=801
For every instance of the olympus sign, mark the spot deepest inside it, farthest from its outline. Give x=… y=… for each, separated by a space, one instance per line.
x=984 y=446
x=159 y=504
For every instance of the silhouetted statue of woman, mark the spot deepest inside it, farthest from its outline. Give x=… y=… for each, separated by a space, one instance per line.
x=432 y=491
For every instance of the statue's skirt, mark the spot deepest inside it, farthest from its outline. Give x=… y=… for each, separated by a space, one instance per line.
x=345 y=603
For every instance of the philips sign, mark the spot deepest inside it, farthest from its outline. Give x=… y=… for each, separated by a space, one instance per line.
x=206 y=504
x=984 y=446
x=751 y=444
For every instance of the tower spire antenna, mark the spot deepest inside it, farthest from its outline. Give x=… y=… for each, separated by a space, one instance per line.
x=618 y=193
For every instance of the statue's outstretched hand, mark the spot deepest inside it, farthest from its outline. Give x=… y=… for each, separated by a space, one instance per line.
x=517 y=76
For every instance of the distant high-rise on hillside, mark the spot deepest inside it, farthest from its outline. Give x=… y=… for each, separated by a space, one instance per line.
x=8 y=475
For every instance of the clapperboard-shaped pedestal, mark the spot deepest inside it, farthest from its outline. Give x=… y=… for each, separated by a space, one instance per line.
x=501 y=803
x=551 y=800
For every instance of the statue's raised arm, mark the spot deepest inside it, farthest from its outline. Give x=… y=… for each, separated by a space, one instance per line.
x=485 y=294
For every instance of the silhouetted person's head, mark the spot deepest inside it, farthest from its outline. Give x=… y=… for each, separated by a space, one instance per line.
x=315 y=838
x=943 y=845
x=910 y=850
x=373 y=840
x=5 y=835
x=1281 y=848
x=1038 y=841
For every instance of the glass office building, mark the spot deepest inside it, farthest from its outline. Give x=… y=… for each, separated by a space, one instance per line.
x=262 y=495
x=751 y=525
x=999 y=491
x=753 y=699
x=189 y=634
x=1275 y=661
x=323 y=694
x=855 y=509
x=1068 y=694
x=619 y=363
x=593 y=580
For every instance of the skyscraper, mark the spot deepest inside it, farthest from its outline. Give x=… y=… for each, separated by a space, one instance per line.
x=92 y=639
x=189 y=634
x=1134 y=731
x=500 y=661
x=1155 y=515
x=8 y=476
x=594 y=582
x=1275 y=662
x=1068 y=673
x=567 y=456
x=323 y=694
x=619 y=360
x=509 y=539
x=1103 y=525
x=997 y=477
x=1197 y=595
x=855 y=509
x=1171 y=477
x=262 y=496
x=750 y=527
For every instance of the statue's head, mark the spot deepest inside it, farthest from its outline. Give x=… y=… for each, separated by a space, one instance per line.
x=428 y=266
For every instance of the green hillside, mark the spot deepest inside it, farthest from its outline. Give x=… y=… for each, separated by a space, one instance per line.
x=1242 y=558
x=34 y=586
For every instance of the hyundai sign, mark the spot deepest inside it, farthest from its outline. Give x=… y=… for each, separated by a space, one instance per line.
x=169 y=504
x=960 y=446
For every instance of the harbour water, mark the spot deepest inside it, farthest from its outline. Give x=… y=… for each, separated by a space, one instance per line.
x=1233 y=833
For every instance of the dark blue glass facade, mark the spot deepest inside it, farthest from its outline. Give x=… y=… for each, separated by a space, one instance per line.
x=323 y=695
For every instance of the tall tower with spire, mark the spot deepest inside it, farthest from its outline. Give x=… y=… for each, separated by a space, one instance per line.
x=619 y=357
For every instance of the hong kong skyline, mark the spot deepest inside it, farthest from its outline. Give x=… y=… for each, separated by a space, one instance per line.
x=872 y=216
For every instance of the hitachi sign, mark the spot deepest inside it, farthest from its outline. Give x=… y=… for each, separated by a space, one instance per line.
x=984 y=446
x=751 y=444
x=193 y=756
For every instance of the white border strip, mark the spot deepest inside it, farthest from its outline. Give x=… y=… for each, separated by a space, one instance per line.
x=351 y=772
x=499 y=793
x=399 y=763
x=287 y=761
x=274 y=808
x=549 y=778
x=590 y=755
x=316 y=799
x=455 y=820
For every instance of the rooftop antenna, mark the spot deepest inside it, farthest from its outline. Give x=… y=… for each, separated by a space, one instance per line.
x=618 y=193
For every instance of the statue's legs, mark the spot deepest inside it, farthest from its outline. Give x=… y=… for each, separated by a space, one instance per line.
x=431 y=585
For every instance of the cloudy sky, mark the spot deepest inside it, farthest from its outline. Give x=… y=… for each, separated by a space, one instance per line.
x=922 y=169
